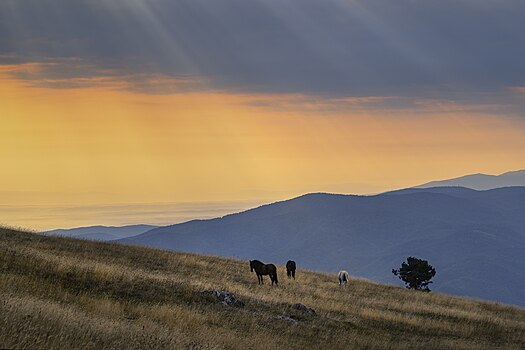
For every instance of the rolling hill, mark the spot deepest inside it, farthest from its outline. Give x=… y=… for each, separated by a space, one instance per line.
x=64 y=293
x=474 y=239
x=101 y=233
x=482 y=181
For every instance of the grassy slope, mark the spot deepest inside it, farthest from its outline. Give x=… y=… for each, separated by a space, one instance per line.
x=66 y=293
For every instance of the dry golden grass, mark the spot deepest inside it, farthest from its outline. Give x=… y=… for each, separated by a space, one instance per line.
x=66 y=293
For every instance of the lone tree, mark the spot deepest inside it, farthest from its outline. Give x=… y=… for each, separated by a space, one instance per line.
x=416 y=273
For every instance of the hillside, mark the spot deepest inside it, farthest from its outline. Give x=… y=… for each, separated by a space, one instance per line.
x=67 y=293
x=482 y=181
x=101 y=233
x=474 y=239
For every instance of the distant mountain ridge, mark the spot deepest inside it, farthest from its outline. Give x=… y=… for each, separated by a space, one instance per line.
x=482 y=181
x=102 y=233
x=475 y=239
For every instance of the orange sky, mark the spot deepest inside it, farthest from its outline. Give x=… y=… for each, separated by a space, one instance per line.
x=102 y=145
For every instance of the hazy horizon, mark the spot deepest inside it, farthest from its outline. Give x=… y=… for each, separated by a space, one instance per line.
x=49 y=216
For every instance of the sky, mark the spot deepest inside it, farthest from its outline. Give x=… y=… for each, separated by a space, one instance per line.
x=111 y=108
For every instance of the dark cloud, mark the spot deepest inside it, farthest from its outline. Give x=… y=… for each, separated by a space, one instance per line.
x=327 y=48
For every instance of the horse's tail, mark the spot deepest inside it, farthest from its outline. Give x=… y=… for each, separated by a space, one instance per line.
x=275 y=274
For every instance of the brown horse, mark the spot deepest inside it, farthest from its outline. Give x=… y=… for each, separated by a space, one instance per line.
x=264 y=269
x=290 y=269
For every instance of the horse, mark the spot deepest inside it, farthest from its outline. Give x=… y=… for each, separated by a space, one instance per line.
x=290 y=269
x=264 y=269
x=343 y=277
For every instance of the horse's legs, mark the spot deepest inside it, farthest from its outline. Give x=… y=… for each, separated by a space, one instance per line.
x=293 y=274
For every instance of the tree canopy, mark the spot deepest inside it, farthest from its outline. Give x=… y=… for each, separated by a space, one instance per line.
x=416 y=273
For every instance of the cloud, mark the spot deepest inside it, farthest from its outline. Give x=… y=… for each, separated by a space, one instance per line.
x=74 y=72
x=518 y=90
x=333 y=48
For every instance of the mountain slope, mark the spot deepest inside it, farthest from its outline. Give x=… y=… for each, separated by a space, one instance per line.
x=66 y=294
x=482 y=181
x=101 y=233
x=475 y=239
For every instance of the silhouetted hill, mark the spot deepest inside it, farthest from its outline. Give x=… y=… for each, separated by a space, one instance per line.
x=62 y=293
x=482 y=181
x=101 y=233
x=475 y=239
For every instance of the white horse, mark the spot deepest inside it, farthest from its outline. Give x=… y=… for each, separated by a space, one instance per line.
x=343 y=277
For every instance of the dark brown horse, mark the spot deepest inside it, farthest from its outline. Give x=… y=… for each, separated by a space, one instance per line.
x=264 y=269
x=290 y=269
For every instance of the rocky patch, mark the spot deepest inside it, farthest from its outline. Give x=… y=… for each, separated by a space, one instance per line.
x=225 y=298
x=303 y=308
